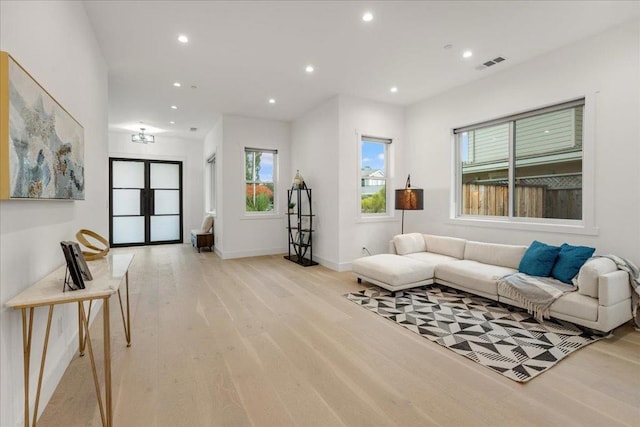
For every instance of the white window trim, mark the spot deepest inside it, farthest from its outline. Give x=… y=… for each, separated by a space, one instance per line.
x=585 y=226
x=389 y=215
x=212 y=193
x=275 y=213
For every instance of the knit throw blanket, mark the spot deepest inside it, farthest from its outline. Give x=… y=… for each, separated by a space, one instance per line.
x=536 y=294
x=634 y=281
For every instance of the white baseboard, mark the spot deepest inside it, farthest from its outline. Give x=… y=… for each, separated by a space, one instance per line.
x=246 y=254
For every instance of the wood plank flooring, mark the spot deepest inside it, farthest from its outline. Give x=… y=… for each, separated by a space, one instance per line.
x=264 y=342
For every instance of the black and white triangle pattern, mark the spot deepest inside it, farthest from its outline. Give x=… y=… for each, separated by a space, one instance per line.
x=503 y=338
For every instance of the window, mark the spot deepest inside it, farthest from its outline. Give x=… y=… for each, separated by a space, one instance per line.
x=374 y=171
x=260 y=172
x=524 y=166
x=211 y=182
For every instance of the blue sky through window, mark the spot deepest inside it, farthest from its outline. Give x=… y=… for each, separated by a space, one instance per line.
x=373 y=155
x=266 y=168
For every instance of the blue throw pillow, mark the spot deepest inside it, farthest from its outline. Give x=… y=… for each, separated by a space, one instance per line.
x=569 y=261
x=538 y=260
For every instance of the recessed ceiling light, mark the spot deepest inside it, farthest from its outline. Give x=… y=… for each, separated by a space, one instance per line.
x=172 y=122
x=177 y=84
x=272 y=101
x=309 y=69
x=367 y=17
x=467 y=54
x=174 y=107
x=183 y=39
x=394 y=89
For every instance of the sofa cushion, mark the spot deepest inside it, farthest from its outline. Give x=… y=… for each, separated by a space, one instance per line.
x=538 y=260
x=409 y=243
x=473 y=275
x=572 y=304
x=494 y=253
x=450 y=246
x=589 y=273
x=431 y=258
x=569 y=261
x=394 y=270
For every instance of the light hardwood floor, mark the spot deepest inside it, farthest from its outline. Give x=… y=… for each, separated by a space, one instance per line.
x=261 y=341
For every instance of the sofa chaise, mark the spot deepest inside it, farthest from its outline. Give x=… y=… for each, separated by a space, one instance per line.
x=601 y=302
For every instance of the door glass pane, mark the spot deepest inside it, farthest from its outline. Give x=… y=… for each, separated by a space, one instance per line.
x=128 y=230
x=128 y=174
x=165 y=175
x=126 y=202
x=167 y=202
x=165 y=228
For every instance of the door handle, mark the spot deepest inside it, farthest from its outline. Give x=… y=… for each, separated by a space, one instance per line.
x=152 y=202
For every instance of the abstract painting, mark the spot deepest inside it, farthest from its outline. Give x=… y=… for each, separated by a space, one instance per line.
x=41 y=144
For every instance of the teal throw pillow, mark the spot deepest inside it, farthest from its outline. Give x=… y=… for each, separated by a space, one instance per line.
x=538 y=260
x=569 y=261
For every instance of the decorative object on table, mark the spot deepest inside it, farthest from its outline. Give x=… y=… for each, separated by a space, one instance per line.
x=504 y=339
x=143 y=138
x=300 y=226
x=203 y=238
x=100 y=252
x=41 y=144
x=291 y=206
x=77 y=269
x=298 y=181
x=409 y=199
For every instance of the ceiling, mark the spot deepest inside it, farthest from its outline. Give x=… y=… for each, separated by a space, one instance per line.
x=242 y=53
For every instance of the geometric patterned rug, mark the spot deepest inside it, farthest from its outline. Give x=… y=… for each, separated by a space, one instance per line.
x=503 y=338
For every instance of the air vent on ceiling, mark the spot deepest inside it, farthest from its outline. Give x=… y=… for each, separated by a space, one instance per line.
x=193 y=129
x=490 y=63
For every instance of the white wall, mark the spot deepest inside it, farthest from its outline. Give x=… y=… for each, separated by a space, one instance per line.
x=606 y=70
x=372 y=119
x=325 y=146
x=314 y=151
x=189 y=152
x=55 y=43
x=257 y=234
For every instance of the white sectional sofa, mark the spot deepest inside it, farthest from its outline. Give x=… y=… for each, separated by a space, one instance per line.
x=602 y=301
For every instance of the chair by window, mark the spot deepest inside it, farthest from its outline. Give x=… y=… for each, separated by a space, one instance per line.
x=203 y=238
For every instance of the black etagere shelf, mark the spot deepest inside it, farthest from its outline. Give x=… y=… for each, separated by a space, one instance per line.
x=300 y=226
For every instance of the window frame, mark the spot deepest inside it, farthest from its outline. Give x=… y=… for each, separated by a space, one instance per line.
x=275 y=210
x=389 y=213
x=212 y=201
x=585 y=226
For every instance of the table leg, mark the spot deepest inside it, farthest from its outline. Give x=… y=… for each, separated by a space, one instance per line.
x=107 y=362
x=80 y=330
x=126 y=322
x=27 y=329
x=42 y=361
x=85 y=325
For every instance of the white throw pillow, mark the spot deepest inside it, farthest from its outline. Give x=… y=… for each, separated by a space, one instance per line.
x=590 y=272
x=409 y=243
x=207 y=223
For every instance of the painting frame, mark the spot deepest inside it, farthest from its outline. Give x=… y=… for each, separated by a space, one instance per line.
x=41 y=143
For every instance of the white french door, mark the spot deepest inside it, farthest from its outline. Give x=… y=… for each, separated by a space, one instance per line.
x=145 y=202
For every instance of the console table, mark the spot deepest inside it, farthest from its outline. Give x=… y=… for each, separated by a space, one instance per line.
x=108 y=274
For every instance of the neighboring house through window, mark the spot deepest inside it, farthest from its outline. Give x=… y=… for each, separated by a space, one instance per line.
x=528 y=165
x=374 y=175
x=260 y=172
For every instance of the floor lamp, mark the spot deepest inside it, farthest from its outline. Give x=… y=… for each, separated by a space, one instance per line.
x=409 y=199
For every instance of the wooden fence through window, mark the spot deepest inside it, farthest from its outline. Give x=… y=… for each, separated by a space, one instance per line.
x=532 y=201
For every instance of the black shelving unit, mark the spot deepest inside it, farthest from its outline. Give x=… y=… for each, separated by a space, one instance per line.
x=300 y=226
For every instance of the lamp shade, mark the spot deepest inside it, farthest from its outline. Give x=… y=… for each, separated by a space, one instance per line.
x=410 y=199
